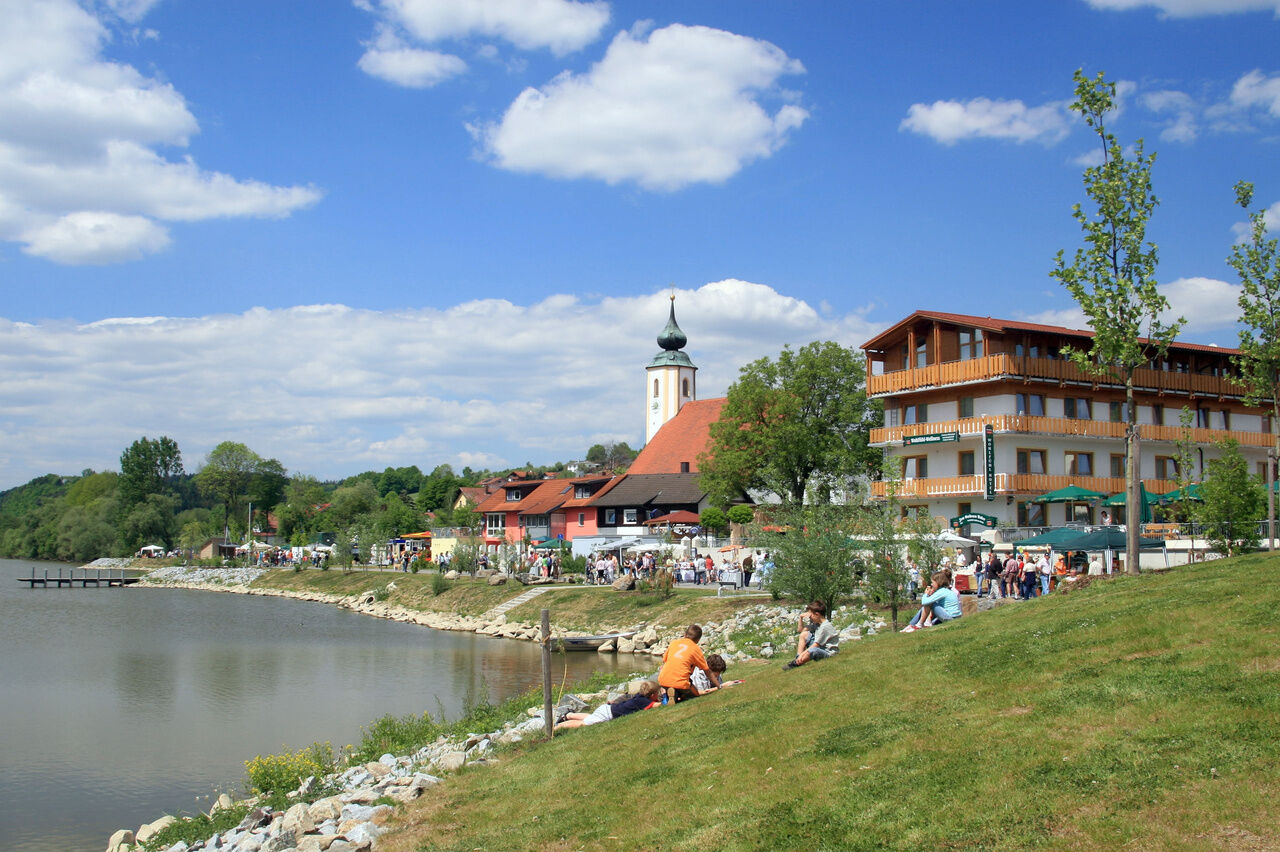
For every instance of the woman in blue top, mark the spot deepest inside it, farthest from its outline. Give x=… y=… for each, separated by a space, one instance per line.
x=940 y=603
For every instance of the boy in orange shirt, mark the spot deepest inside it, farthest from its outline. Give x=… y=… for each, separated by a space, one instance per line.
x=678 y=663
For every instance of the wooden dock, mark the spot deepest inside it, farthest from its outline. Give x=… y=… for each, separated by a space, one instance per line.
x=85 y=580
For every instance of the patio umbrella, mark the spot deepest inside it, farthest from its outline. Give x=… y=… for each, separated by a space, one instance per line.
x=950 y=539
x=1145 y=498
x=1070 y=494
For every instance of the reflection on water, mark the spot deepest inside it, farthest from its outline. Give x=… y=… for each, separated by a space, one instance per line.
x=131 y=703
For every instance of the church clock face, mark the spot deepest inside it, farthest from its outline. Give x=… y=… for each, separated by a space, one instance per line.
x=653 y=406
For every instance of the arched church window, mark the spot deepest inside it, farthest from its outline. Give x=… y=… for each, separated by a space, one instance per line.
x=655 y=388
x=685 y=387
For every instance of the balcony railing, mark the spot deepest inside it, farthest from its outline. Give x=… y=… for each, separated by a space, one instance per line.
x=1000 y=366
x=1012 y=483
x=1021 y=423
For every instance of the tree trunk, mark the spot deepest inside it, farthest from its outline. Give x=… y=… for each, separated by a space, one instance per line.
x=1133 y=506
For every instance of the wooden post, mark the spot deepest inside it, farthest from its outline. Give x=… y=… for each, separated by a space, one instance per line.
x=546 y=672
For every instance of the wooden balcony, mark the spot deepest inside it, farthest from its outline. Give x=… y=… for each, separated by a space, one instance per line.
x=1003 y=366
x=1011 y=483
x=1026 y=424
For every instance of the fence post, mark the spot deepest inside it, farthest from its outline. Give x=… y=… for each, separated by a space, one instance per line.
x=546 y=672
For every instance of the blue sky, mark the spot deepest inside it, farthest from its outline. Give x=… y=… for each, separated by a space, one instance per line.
x=389 y=232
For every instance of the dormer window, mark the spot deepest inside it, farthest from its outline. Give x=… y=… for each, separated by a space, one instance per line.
x=514 y=495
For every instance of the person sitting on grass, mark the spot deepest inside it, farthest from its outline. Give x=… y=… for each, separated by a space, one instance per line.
x=819 y=641
x=648 y=696
x=704 y=683
x=940 y=603
x=678 y=663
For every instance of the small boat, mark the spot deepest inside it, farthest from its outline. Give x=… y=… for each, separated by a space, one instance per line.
x=586 y=643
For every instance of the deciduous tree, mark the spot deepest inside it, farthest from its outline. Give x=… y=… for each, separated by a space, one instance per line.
x=793 y=424
x=1233 y=502
x=1112 y=276
x=1257 y=262
x=148 y=467
x=813 y=553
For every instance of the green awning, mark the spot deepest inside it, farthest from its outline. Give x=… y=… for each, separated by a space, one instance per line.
x=1177 y=495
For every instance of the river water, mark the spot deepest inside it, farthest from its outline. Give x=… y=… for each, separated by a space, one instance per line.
x=121 y=705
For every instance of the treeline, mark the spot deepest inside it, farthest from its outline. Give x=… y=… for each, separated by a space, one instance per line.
x=154 y=499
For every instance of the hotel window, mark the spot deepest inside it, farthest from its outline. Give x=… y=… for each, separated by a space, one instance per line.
x=1020 y=350
x=964 y=407
x=922 y=354
x=1032 y=461
x=1117 y=465
x=1079 y=513
x=915 y=511
x=582 y=519
x=1030 y=514
x=1031 y=404
x=915 y=467
x=495 y=523
x=1079 y=464
x=970 y=343
x=1226 y=419
x=1166 y=467
x=918 y=413
x=966 y=463
x=1157 y=414
x=610 y=517
x=891 y=416
x=1202 y=418
x=1116 y=411
x=964 y=508
x=1077 y=408
x=629 y=517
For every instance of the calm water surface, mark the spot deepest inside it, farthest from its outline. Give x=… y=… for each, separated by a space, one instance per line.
x=120 y=705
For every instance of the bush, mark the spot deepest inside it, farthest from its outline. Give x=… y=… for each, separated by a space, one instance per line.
x=439 y=585
x=381 y=593
x=274 y=774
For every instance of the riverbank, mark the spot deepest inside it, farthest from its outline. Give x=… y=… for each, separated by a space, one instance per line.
x=738 y=628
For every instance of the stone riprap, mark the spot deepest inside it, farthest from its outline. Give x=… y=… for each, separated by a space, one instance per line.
x=351 y=820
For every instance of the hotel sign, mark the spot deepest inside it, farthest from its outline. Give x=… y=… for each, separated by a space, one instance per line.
x=973 y=518
x=989 y=449
x=935 y=438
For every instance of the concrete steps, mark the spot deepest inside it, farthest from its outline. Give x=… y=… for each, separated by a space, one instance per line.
x=518 y=600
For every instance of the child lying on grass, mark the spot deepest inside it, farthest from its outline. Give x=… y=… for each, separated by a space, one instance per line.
x=648 y=696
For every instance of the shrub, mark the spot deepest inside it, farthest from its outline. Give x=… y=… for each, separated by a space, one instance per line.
x=439 y=585
x=279 y=773
x=381 y=593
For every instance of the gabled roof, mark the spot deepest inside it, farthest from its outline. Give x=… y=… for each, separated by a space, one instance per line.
x=1003 y=326
x=498 y=502
x=578 y=502
x=547 y=496
x=474 y=496
x=681 y=439
x=655 y=489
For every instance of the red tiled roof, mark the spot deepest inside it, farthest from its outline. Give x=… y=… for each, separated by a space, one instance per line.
x=1003 y=326
x=681 y=439
x=475 y=496
x=578 y=502
x=680 y=517
x=547 y=496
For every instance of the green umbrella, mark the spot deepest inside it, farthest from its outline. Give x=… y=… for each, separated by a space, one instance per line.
x=1070 y=494
x=1145 y=497
x=1177 y=495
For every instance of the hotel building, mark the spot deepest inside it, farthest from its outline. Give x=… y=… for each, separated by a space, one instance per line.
x=985 y=414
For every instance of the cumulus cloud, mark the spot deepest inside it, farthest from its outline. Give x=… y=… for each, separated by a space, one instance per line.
x=79 y=138
x=949 y=122
x=1190 y=8
x=1209 y=305
x=74 y=395
x=1256 y=89
x=390 y=59
x=664 y=109
x=561 y=26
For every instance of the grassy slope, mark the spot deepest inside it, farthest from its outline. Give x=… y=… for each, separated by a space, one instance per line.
x=1142 y=711
x=572 y=607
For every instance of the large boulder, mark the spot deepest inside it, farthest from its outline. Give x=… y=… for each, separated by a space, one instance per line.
x=298 y=821
x=497 y=579
x=606 y=647
x=485 y=572
x=625 y=583
x=122 y=839
x=451 y=575
x=626 y=646
x=151 y=829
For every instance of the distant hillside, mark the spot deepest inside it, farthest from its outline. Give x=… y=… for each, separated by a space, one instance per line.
x=1139 y=713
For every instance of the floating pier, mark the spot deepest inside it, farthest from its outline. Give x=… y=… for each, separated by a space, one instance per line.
x=85 y=579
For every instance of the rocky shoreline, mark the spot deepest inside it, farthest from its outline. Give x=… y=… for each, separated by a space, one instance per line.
x=352 y=820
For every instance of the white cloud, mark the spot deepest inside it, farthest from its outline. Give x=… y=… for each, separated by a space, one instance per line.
x=346 y=406
x=561 y=26
x=1256 y=89
x=388 y=58
x=1209 y=305
x=1190 y=8
x=1182 y=127
x=78 y=138
x=949 y=122
x=94 y=237
x=665 y=109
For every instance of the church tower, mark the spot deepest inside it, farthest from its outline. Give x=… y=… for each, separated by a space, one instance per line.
x=670 y=379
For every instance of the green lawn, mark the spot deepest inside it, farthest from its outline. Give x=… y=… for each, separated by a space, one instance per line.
x=1140 y=712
